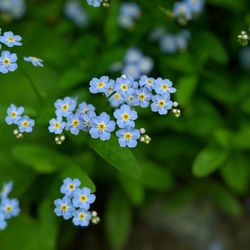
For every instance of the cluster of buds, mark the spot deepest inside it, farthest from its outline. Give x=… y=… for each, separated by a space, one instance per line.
x=18 y=134
x=176 y=111
x=243 y=38
x=60 y=139
x=106 y=3
x=144 y=138
x=95 y=219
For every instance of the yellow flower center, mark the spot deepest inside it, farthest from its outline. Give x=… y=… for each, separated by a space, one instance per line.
x=10 y=39
x=64 y=207
x=65 y=107
x=87 y=123
x=100 y=85
x=25 y=124
x=83 y=198
x=34 y=58
x=75 y=123
x=161 y=103
x=125 y=116
x=6 y=61
x=124 y=87
x=81 y=216
x=71 y=186
x=101 y=126
x=142 y=97
x=8 y=208
x=149 y=82
x=164 y=87
x=117 y=96
x=13 y=114
x=57 y=125
x=128 y=136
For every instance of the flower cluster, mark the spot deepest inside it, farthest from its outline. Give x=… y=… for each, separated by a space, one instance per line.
x=243 y=38
x=186 y=10
x=129 y=12
x=8 y=60
x=76 y=13
x=135 y=64
x=12 y=8
x=171 y=43
x=15 y=116
x=8 y=207
x=75 y=203
x=124 y=94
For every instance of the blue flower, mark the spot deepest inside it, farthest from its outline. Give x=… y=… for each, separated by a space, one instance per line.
x=14 y=114
x=168 y=44
x=125 y=116
x=6 y=189
x=10 y=39
x=14 y=8
x=100 y=85
x=128 y=137
x=133 y=55
x=69 y=186
x=161 y=104
x=145 y=65
x=132 y=70
x=73 y=124
x=101 y=127
x=85 y=120
x=116 y=100
x=124 y=86
x=196 y=5
x=83 y=198
x=147 y=82
x=85 y=108
x=164 y=86
x=64 y=208
x=56 y=125
x=128 y=13
x=25 y=124
x=75 y=12
x=37 y=62
x=81 y=218
x=94 y=3
x=182 y=10
x=3 y=223
x=142 y=97
x=10 y=208
x=65 y=107
x=8 y=62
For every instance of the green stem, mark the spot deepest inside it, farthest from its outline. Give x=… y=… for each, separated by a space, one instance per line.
x=34 y=87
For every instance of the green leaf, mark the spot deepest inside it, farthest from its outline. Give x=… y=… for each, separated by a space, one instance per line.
x=186 y=87
x=40 y=158
x=208 y=160
x=229 y=4
x=241 y=139
x=236 y=173
x=133 y=188
x=156 y=177
x=118 y=157
x=74 y=171
x=117 y=220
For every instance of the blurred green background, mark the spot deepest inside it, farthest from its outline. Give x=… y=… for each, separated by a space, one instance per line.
x=187 y=189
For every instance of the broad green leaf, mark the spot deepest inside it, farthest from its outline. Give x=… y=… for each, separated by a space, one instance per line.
x=236 y=173
x=208 y=160
x=156 y=177
x=74 y=171
x=241 y=139
x=186 y=87
x=223 y=137
x=117 y=220
x=40 y=158
x=133 y=188
x=118 y=157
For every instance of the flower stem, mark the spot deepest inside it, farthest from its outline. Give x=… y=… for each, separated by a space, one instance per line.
x=34 y=87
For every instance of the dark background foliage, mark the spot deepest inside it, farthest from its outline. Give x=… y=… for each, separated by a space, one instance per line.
x=199 y=161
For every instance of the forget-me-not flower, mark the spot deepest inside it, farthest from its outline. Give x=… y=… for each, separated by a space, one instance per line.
x=128 y=136
x=10 y=40
x=101 y=127
x=10 y=207
x=56 y=125
x=161 y=104
x=14 y=114
x=69 y=186
x=6 y=189
x=164 y=86
x=37 y=62
x=85 y=120
x=73 y=124
x=83 y=198
x=8 y=62
x=142 y=97
x=25 y=124
x=85 y=108
x=65 y=107
x=64 y=208
x=81 y=218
